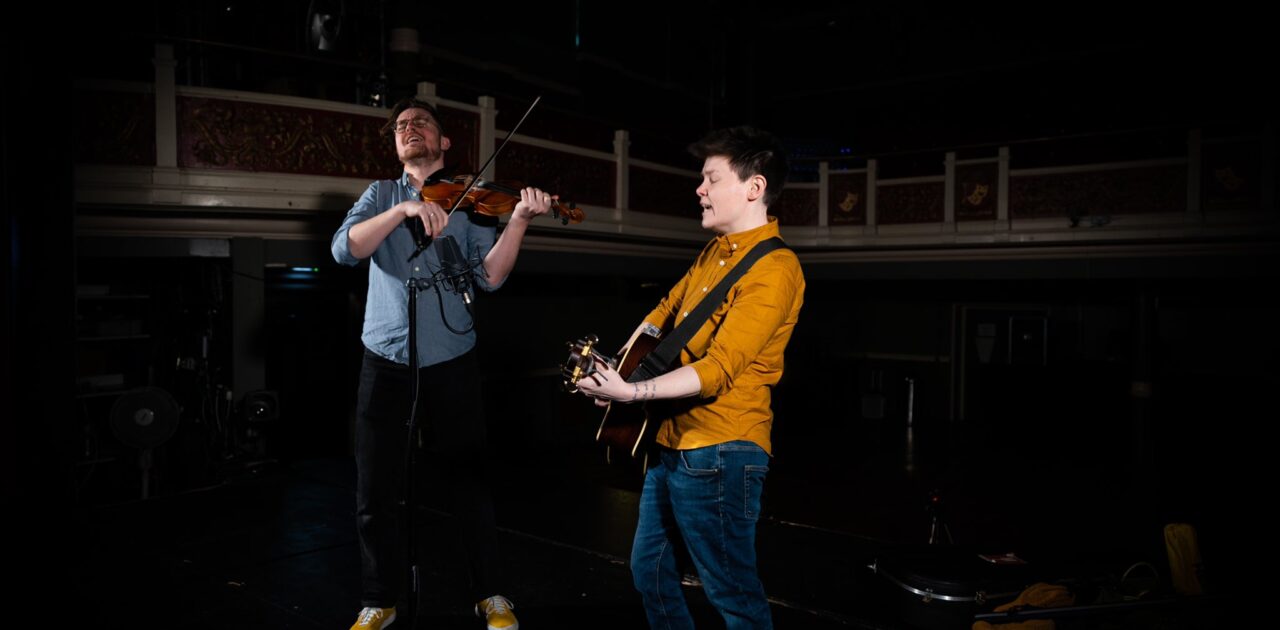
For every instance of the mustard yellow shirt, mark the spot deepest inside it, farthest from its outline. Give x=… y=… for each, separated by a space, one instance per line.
x=738 y=352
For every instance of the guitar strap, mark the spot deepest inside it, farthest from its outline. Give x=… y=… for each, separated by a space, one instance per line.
x=659 y=361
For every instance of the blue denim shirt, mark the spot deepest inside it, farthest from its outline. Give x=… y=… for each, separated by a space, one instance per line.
x=386 y=318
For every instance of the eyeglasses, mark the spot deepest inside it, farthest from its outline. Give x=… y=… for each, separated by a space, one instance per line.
x=418 y=123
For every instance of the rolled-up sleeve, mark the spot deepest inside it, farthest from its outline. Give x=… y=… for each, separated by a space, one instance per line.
x=761 y=305
x=365 y=208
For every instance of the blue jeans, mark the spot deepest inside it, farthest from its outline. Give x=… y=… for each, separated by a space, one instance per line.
x=709 y=498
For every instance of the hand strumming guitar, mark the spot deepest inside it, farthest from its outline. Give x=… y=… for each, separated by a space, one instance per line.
x=605 y=385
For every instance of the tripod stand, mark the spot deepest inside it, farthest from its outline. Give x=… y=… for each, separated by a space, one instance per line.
x=937 y=525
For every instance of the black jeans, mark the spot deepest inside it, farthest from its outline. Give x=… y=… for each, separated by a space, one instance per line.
x=453 y=430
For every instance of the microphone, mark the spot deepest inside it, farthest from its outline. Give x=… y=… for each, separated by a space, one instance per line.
x=455 y=272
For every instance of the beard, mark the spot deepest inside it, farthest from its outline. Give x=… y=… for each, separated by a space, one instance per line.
x=420 y=151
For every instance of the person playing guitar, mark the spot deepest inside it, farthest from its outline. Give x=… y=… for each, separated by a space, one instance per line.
x=704 y=481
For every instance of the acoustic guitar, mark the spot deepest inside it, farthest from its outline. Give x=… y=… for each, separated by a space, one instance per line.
x=625 y=427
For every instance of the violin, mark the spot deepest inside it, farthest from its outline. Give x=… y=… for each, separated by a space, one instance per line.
x=489 y=198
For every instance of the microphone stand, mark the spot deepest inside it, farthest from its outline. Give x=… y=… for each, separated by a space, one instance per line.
x=439 y=281
x=408 y=505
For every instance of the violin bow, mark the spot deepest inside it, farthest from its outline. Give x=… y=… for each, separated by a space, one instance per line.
x=475 y=177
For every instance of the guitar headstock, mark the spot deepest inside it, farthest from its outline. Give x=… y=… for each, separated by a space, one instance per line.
x=581 y=362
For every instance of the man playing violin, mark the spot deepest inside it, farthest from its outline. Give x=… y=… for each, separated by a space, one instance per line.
x=379 y=227
x=703 y=486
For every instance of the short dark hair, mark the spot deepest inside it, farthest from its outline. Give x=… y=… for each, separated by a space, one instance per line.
x=409 y=103
x=750 y=152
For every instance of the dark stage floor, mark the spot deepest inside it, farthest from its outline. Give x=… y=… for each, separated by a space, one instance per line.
x=273 y=544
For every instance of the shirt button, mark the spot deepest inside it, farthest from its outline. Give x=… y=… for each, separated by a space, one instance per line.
x=704 y=289
x=686 y=314
x=722 y=263
x=733 y=246
x=415 y=269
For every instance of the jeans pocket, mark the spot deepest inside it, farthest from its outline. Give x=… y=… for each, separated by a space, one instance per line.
x=752 y=490
x=701 y=461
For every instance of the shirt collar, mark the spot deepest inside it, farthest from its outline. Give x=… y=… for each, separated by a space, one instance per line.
x=443 y=172
x=728 y=244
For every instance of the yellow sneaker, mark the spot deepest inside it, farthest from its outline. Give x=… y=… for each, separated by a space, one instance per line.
x=497 y=613
x=374 y=619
